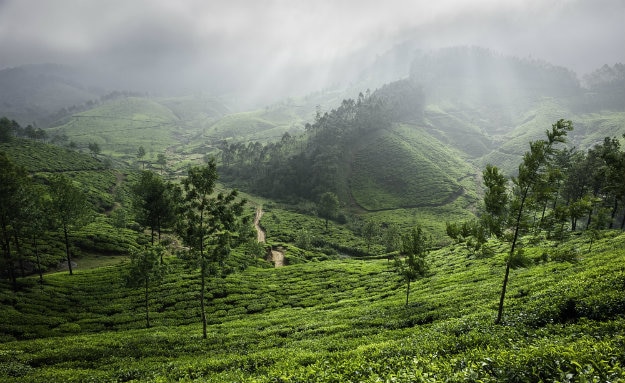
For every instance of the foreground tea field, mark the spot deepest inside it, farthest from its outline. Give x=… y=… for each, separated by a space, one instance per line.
x=332 y=321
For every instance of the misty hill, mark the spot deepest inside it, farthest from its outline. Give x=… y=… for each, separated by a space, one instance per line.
x=40 y=93
x=470 y=106
x=418 y=142
x=479 y=77
x=376 y=153
x=122 y=123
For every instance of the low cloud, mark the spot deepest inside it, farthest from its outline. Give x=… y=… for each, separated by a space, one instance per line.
x=287 y=46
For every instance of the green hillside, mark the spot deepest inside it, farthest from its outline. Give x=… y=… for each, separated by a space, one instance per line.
x=36 y=156
x=104 y=187
x=407 y=155
x=462 y=129
x=406 y=167
x=122 y=125
x=331 y=321
x=589 y=129
x=263 y=125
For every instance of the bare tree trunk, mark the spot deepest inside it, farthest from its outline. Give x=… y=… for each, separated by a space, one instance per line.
x=202 y=308
x=39 y=270
x=614 y=210
x=18 y=250
x=503 y=293
x=67 y=252
x=512 y=248
x=6 y=246
x=147 y=310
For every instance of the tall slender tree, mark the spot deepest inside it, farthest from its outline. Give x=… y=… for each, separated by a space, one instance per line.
x=38 y=221
x=140 y=155
x=531 y=173
x=328 y=206
x=411 y=264
x=391 y=237
x=370 y=233
x=161 y=159
x=70 y=209
x=208 y=224
x=144 y=271
x=154 y=203
x=12 y=178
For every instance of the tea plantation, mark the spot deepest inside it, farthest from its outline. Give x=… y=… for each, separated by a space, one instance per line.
x=331 y=321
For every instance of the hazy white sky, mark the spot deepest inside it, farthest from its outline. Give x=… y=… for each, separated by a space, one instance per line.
x=239 y=44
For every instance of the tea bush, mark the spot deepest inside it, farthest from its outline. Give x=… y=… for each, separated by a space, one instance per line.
x=337 y=320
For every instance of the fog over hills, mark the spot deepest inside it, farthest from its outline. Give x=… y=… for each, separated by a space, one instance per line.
x=263 y=50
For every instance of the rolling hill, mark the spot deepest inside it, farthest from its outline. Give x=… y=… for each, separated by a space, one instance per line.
x=407 y=154
x=38 y=94
x=122 y=125
x=405 y=167
x=458 y=110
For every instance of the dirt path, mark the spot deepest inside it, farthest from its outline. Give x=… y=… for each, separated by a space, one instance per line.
x=277 y=255
x=260 y=233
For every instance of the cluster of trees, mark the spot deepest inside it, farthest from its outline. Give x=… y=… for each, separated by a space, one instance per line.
x=210 y=224
x=554 y=188
x=307 y=166
x=29 y=209
x=11 y=128
x=606 y=88
x=575 y=190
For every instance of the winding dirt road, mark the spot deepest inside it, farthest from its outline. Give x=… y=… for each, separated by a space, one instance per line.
x=277 y=256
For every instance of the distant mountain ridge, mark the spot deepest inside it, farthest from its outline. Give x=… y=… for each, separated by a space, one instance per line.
x=33 y=94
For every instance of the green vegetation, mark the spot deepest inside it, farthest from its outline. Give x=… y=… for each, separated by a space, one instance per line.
x=411 y=263
x=404 y=168
x=329 y=321
x=121 y=125
x=40 y=157
x=380 y=177
x=69 y=209
x=208 y=225
x=145 y=270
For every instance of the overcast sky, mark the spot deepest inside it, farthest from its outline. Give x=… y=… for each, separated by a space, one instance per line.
x=247 y=45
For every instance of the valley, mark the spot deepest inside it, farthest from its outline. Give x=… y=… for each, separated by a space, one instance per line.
x=348 y=235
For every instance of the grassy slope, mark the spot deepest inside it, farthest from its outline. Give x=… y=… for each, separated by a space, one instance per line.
x=39 y=157
x=263 y=125
x=588 y=130
x=460 y=128
x=406 y=167
x=121 y=126
x=332 y=321
x=43 y=160
x=100 y=183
